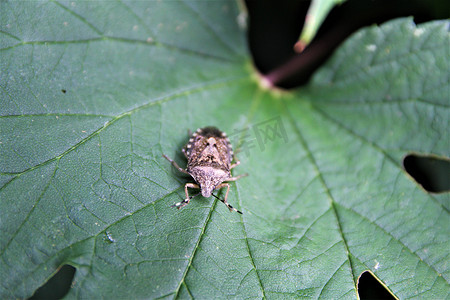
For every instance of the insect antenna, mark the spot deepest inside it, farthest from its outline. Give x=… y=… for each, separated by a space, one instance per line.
x=229 y=206
x=195 y=195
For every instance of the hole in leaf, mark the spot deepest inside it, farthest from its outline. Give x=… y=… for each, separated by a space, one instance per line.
x=432 y=173
x=57 y=286
x=370 y=288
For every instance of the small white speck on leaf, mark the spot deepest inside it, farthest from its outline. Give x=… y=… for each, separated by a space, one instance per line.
x=149 y=39
x=241 y=19
x=418 y=32
x=110 y=238
x=181 y=26
x=377 y=266
x=65 y=23
x=371 y=47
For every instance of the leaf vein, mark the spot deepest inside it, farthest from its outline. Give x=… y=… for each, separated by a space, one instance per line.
x=30 y=212
x=327 y=190
x=156 y=101
x=373 y=144
x=391 y=236
x=329 y=279
x=210 y=27
x=196 y=247
x=78 y=16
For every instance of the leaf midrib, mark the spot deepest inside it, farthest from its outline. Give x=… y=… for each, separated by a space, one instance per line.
x=311 y=158
x=93 y=236
x=393 y=161
x=156 y=101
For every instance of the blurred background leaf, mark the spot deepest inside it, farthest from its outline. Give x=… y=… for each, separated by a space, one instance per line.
x=317 y=12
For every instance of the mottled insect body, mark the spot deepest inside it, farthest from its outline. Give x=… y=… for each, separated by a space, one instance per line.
x=210 y=155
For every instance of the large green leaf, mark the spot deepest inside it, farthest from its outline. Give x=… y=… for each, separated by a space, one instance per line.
x=92 y=95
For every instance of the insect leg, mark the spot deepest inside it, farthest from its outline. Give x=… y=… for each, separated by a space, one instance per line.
x=237 y=177
x=175 y=165
x=231 y=208
x=184 y=152
x=186 y=201
x=237 y=163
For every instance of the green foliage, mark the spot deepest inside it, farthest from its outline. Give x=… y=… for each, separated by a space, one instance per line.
x=317 y=13
x=92 y=95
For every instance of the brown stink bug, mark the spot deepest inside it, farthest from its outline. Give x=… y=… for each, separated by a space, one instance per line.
x=209 y=154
